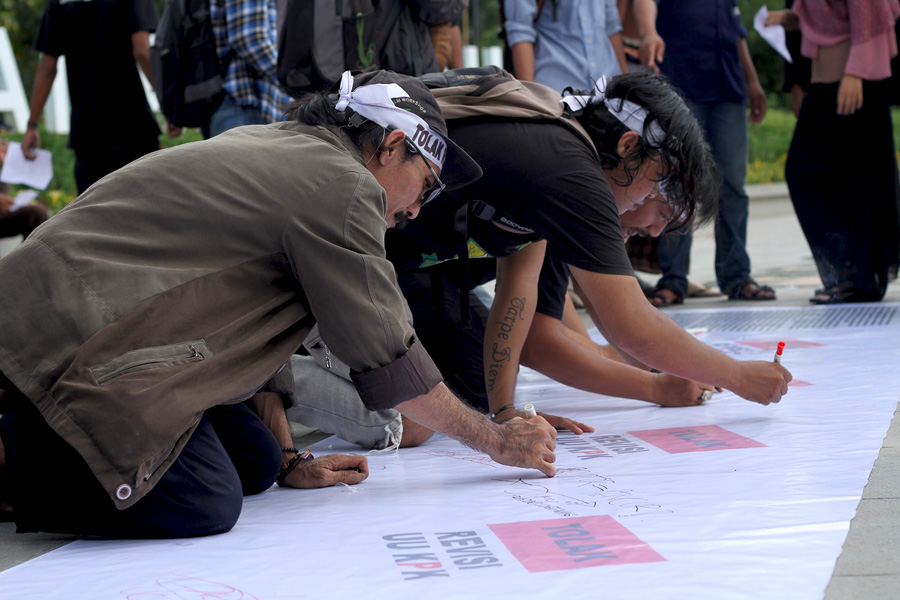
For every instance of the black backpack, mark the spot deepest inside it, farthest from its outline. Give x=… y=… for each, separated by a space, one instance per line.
x=187 y=75
x=320 y=39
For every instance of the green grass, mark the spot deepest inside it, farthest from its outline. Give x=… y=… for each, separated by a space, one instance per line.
x=769 y=142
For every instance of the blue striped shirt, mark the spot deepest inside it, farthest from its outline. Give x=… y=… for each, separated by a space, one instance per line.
x=572 y=50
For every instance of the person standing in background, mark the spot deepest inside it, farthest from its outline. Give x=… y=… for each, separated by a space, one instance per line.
x=111 y=122
x=21 y=221
x=701 y=46
x=564 y=44
x=841 y=167
x=246 y=33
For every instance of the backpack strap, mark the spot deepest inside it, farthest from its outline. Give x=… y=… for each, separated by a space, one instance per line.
x=491 y=91
x=226 y=62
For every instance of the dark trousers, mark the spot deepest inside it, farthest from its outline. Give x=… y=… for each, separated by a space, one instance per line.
x=95 y=164
x=452 y=333
x=725 y=126
x=22 y=221
x=841 y=173
x=231 y=454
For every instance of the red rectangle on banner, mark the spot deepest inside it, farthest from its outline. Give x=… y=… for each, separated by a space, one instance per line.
x=702 y=438
x=573 y=543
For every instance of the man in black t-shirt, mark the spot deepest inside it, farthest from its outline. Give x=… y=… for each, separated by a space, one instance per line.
x=545 y=186
x=111 y=122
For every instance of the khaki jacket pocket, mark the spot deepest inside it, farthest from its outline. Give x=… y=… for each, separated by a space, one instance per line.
x=171 y=355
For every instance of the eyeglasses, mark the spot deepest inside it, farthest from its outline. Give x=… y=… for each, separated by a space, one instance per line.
x=675 y=220
x=438 y=186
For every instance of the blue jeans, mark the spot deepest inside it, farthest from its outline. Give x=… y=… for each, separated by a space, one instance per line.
x=725 y=126
x=230 y=114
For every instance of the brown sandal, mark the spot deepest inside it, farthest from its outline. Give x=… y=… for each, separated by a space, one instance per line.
x=751 y=291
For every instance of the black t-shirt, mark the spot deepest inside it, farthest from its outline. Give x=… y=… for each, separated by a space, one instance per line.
x=552 y=286
x=541 y=181
x=109 y=106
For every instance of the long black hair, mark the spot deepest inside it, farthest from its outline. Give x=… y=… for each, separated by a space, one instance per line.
x=691 y=177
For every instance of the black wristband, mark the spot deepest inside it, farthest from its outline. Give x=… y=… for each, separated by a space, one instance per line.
x=32 y=125
x=501 y=409
x=294 y=450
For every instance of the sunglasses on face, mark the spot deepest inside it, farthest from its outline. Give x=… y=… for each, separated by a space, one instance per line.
x=438 y=186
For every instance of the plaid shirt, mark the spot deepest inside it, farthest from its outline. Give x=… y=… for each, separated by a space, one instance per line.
x=249 y=27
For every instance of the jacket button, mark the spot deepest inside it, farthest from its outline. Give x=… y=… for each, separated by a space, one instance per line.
x=123 y=492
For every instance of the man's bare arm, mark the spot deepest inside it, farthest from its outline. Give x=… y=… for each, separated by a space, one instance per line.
x=140 y=48
x=652 y=337
x=652 y=49
x=523 y=61
x=527 y=443
x=509 y=321
x=567 y=357
x=40 y=91
x=319 y=472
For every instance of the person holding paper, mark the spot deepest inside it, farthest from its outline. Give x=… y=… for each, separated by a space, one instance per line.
x=111 y=122
x=17 y=220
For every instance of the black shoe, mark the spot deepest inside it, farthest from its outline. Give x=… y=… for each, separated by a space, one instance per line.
x=843 y=296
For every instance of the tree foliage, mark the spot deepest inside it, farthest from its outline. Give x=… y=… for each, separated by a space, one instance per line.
x=769 y=64
x=21 y=19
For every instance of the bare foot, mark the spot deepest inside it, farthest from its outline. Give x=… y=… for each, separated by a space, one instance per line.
x=413 y=433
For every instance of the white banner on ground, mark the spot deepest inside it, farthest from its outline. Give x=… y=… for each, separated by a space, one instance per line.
x=726 y=500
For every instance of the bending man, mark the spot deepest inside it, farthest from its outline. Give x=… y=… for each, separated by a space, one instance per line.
x=153 y=307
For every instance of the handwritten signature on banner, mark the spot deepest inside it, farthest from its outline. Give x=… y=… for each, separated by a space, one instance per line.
x=180 y=587
x=466 y=455
x=593 y=491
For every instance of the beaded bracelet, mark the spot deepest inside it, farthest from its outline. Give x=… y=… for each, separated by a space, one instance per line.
x=291 y=465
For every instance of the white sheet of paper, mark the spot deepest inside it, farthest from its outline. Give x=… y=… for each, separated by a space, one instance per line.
x=773 y=34
x=730 y=499
x=23 y=198
x=33 y=173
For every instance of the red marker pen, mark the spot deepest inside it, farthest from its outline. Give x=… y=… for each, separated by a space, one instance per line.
x=779 y=352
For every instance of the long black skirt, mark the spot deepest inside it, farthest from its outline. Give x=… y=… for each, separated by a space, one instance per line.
x=842 y=175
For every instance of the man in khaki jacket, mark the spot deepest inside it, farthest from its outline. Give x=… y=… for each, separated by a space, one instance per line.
x=142 y=354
